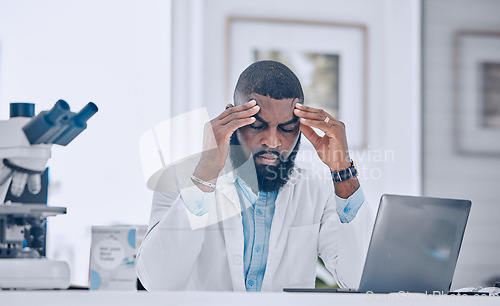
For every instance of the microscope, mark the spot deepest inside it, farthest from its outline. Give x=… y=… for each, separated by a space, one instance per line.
x=25 y=148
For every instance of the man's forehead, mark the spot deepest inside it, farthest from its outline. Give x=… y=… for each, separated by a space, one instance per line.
x=275 y=111
x=261 y=98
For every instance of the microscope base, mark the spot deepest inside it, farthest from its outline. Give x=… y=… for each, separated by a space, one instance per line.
x=28 y=273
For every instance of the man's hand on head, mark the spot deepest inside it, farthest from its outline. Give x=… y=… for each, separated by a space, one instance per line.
x=331 y=147
x=216 y=140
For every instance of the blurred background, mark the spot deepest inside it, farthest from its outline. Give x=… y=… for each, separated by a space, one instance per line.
x=417 y=83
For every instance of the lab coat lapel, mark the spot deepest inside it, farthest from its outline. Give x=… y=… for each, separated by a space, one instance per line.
x=233 y=233
x=285 y=209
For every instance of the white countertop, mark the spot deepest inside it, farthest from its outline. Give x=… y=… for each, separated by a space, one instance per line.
x=124 y=298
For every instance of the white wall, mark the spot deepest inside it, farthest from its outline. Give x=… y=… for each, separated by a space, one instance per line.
x=393 y=80
x=116 y=54
x=446 y=172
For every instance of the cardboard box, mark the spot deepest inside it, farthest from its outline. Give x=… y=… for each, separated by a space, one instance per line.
x=112 y=258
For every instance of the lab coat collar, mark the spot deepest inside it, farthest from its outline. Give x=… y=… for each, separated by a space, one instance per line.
x=295 y=176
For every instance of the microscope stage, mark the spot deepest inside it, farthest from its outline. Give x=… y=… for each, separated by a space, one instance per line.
x=31 y=210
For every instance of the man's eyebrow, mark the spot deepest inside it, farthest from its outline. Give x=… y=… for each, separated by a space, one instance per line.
x=260 y=119
x=295 y=119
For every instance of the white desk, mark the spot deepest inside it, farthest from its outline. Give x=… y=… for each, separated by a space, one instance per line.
x=97 y=298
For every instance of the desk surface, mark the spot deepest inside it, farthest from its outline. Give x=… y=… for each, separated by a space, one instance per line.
x=120 y=298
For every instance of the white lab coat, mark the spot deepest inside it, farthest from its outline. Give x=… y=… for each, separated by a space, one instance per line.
x=173 y=256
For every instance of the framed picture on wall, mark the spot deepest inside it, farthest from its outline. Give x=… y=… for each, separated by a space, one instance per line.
x=477 y=92
x=330 y=60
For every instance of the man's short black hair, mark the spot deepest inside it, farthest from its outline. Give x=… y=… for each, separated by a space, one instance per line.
x=269 y=78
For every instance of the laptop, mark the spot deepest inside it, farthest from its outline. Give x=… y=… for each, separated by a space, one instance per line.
x=414 y=246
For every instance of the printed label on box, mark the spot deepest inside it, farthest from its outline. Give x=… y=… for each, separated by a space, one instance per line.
x=112 y=258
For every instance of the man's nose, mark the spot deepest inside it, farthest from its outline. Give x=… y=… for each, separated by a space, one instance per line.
x=271 y=139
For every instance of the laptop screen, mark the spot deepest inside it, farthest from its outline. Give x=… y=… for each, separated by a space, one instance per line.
x=415 y=244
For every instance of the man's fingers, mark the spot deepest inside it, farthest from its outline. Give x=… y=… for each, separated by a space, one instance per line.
x=322 y=125
x=238 y=108
x=237 y=123
x=312 y=113
x=240 y=115
x=313 y=116
x=310 y=134
x=308 y=108
x=316 y=114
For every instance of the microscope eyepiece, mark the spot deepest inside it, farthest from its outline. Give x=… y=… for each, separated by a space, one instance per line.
x=58 y=125
x=22 y=109
x=85 y=113
x=60 y=109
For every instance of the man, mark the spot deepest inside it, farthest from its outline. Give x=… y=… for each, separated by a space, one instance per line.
x=252 y=219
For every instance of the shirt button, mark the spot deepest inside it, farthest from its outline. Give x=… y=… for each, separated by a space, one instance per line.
x=237 y=259
x=259 y=212
x=200 y=205
x=258 y=249
x=347 y=210
x=250 y=282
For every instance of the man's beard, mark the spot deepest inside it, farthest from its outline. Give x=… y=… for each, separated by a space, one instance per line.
x=269 y=177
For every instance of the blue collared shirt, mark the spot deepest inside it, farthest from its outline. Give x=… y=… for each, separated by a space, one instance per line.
x=257 y=219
